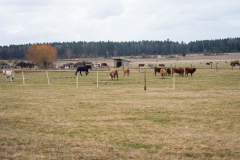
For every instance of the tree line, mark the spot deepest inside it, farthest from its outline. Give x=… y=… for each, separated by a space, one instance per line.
x=82 y=49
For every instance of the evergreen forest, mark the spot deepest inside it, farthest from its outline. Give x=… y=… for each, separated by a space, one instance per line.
x=82 y=49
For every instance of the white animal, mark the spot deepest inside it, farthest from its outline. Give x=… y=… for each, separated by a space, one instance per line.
x=9 y=74
x=95 y=66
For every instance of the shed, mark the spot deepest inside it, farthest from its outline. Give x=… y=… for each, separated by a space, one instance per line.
x=121 y=62
x=4 y=65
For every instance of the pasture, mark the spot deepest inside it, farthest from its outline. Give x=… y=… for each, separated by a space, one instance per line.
x=118 y=119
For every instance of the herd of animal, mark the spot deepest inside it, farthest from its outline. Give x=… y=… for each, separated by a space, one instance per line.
x=9 y=74
x=163 y=71
x=168 y=71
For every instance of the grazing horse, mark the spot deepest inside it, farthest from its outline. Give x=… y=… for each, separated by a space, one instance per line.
x=85 y=69
x=233 y=63
x=113 y=73
x=168 y=71
x=163 y=73
x=178 y=70
x=9 y=74
x=127 y=70
x=156 y=69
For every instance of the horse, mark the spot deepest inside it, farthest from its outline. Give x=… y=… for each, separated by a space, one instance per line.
x=163 y=73
x=127 y=70
x=113 y=73
x=85 y=69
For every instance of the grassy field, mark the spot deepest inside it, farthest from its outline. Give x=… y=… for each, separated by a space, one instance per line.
x=199 y=119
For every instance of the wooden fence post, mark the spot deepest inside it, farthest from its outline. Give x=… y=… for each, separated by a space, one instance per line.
x=47 y=77
x=173 y=80
x=23 y=79
x=145 y=87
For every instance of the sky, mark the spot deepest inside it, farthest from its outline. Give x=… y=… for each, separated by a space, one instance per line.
x=42 y=21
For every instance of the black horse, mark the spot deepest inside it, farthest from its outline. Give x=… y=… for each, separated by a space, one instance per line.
x=85 y=69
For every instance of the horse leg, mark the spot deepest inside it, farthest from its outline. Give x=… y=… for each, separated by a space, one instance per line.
x=80 y=73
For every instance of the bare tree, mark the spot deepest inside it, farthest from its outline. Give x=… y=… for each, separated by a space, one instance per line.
x=69 y=53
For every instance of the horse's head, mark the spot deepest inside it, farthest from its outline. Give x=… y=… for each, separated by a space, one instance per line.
x=90 y=66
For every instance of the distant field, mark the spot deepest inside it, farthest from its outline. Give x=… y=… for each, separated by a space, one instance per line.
x=194 y=58
x=199 y=119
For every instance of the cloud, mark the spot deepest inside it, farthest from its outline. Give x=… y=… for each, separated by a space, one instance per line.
x=15 y=29
x=103 y=9
x=27 y=21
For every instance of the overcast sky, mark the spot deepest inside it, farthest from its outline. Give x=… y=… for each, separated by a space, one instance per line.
x=38 y=21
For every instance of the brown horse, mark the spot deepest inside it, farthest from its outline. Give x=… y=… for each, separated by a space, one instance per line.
x=113 y=73
x=156 y=69
x=178 y=70
x=163 y=73
x=169 y=71
x=189 y=70
x=127 y=70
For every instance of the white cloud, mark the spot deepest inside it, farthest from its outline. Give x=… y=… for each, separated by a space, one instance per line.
x=15 y=30
x=31 y=21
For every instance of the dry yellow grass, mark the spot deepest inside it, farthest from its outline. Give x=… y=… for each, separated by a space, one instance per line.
x=119 y=120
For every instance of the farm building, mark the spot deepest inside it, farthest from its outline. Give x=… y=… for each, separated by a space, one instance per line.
x=68 y=65
x=121 y=62
x=26 y=64
x=81 y=64
x=4 y=65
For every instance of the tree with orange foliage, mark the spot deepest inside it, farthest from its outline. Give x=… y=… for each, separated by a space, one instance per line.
x=41 y=54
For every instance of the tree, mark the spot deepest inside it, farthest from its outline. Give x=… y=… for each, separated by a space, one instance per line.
x=41 y=54
x=165 y=53
x=69 y=52
x=184 y=53
x=144 y=55
x=74 y=56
